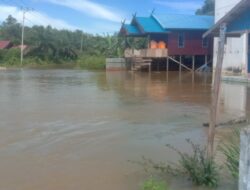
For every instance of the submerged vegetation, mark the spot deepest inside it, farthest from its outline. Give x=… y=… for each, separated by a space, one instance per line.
x=153 y=184
x=231 y=150
x=195 y=166
x=200 y=169
x=47 y=45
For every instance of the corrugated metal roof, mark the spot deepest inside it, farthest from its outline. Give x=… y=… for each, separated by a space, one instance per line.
x=177 y=21
x=4 y=44
x=150 y=25
x=131 y=29
x=232 y=15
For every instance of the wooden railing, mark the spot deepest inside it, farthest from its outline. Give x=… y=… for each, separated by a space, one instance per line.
x=146 y=53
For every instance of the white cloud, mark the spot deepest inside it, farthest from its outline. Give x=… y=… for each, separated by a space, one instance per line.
x=34 y=18
x=183 y=5
x=90 y=8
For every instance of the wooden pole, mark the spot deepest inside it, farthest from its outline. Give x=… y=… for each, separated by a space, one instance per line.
x=216 y=90
x=180 y=64
x=149 y=67
x=193 y=63
x=167 y=65
x=158 y=66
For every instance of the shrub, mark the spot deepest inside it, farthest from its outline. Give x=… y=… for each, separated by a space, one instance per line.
x=231 y=150
x=200 y=169
x=152 y=184
x=91 y=62
x=10 y=57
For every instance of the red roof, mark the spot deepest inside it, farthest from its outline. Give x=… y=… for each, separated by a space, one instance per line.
x=4 y=44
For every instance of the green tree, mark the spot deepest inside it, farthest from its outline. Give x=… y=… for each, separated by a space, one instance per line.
x=207 y=8
x=11 y=30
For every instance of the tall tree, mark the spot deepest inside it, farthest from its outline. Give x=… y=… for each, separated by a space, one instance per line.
x=207 y=8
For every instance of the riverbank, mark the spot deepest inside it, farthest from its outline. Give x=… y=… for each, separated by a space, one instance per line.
x=83 y=62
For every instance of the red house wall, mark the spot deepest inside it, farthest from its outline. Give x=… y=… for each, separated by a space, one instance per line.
x=193 y=43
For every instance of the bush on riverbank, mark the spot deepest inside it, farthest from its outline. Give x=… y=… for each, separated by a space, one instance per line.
x=10 y=57
x=91 y=62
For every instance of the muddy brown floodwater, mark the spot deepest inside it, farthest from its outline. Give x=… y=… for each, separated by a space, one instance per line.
x=72 y=130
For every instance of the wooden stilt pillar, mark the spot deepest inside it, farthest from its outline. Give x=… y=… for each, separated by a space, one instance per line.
x=193 y=63
x=180 y=69
x=206 y=60
x=149 y=67
x=158 y=66
x=167 y=65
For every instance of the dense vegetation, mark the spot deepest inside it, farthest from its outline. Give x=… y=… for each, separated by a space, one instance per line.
x=52 y=46
x=207 y=9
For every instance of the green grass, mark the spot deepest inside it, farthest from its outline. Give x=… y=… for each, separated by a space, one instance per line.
x=152 y=184
x=11 y=59
x=231 y=150
x=91 y=62
x=200 y=169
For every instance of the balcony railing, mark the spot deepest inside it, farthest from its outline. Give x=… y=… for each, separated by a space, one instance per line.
x=146 y=53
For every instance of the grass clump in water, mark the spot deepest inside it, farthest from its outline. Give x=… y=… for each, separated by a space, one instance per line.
x=200 y=169
x=152 y=184
x=231 y=150
x=196 y=166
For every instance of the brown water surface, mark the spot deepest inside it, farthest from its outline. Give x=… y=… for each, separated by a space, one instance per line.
x=72 y=130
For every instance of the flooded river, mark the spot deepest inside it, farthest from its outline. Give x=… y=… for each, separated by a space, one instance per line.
x=72 y=130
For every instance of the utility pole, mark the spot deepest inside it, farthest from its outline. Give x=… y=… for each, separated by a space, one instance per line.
x=24 y=10
x=81 y=42
x=216 y=90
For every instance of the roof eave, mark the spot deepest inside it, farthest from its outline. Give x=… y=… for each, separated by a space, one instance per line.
x=241 y=6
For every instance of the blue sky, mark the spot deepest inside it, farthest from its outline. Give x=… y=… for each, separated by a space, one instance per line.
x=93 y=16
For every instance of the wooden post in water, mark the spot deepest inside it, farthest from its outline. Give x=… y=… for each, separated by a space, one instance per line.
x=180 y=64
x=167 y=65
x=244 y=174
x=216 y=90
x=193 y=63
x=158 y=66
x=149 y=67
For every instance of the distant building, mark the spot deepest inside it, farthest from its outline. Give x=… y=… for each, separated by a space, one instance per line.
x=175 y=37
x=236 y=15
x=5 y=44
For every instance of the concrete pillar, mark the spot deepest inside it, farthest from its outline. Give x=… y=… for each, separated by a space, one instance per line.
x=244 y=181
x=245 y=54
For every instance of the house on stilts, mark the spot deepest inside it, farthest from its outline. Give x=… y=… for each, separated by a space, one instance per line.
x=175 y=42
x=235 y=15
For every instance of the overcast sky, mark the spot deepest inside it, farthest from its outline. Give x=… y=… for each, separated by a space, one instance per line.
x=93 y=16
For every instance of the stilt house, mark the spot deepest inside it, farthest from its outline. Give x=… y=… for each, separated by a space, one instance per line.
x=175 y=42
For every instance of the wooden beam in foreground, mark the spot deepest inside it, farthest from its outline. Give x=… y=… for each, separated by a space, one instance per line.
x=216 y=90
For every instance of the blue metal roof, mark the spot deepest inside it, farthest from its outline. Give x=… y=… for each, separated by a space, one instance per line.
x=237 y=20
x=131 y=29
x=241 y=23
x=150 y=25
x=175 y=21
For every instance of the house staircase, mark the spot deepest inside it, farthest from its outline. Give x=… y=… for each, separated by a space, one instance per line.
x=139 y=63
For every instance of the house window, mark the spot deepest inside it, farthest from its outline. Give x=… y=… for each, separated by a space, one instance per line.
x=205 y=43
x=181 y=40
